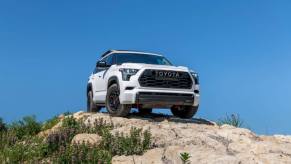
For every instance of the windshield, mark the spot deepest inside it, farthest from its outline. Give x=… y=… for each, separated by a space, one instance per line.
x=141 y=58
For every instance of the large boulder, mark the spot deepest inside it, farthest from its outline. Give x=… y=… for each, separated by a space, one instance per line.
x=93 y=139
x=203 y=140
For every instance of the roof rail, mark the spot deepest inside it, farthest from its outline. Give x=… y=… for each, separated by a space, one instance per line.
x=107 y=52
x=110 y=51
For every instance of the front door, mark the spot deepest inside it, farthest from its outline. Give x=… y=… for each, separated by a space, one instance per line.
x=100 y=80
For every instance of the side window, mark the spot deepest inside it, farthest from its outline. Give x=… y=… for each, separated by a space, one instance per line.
x=110 y=60
x=114 y=59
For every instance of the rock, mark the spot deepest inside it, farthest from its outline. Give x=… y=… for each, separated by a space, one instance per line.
x=203 y=140
x=61 y=117
x=122 y=160
x=50 y=131
x=150 y=157
x=93 y=139
x=283 y=138
x=81 y=115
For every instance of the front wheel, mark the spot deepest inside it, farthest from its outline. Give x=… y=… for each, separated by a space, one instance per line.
x=184 y=111
x=113 y=104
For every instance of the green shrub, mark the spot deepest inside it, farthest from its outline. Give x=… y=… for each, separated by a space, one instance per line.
x=136 y=143
x=233 y=120
x=99 y=126
x=19 y=142
x=71 y=122
x=50 y=123
x=7 y=139
x=63 y=137
x=67 y=113
x=33 y=149
x=2 y=126
x=28 y=126
x=59 y=139
x=147 y=140
x=81 y=154
x=185 y=157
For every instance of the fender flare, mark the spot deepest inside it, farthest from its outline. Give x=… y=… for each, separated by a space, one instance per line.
x=113 y=80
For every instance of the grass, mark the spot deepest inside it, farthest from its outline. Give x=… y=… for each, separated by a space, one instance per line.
x=19 y=142
x=50 y=123
x=233 y=120
x=30 y=150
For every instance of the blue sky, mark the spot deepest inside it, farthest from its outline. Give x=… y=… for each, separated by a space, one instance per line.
x=242 y=50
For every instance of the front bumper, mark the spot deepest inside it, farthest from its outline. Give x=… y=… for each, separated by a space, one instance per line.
x=157 y=97
x=151 y=98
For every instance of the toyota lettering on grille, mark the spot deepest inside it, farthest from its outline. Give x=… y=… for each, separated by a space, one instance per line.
x=167 y=75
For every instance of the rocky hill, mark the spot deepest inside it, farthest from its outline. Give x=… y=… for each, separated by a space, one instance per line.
x=202 y=140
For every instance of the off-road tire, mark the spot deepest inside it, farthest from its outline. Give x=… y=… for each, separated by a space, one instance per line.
x=145 y=111
x=91 y=106
x=184 y=111
x=113 y=105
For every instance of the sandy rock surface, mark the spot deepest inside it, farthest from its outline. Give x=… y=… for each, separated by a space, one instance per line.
x=203 y=140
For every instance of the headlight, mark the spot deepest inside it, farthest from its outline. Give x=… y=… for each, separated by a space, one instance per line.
x=127 y=73
x=195 y=77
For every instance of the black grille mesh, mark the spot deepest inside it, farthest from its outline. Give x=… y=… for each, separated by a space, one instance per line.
x=149 y=79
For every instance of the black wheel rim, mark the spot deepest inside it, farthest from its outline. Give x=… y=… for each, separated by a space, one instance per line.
x=181 y=109
x=114 y=102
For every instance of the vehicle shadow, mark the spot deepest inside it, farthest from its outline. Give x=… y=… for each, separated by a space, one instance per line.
x=159 y=117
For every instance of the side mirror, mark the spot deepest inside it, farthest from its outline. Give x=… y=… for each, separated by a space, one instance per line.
x=101 y=64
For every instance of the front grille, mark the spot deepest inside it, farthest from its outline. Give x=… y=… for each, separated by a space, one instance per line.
x=150 y=78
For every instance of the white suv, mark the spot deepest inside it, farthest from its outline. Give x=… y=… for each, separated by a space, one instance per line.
x=129 y=79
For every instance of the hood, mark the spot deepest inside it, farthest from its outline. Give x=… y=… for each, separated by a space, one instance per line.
x=152 y=66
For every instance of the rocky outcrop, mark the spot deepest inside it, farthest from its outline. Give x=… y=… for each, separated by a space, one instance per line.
x=205 y=141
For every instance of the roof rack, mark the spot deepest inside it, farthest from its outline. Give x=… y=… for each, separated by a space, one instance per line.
x=110 y=51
